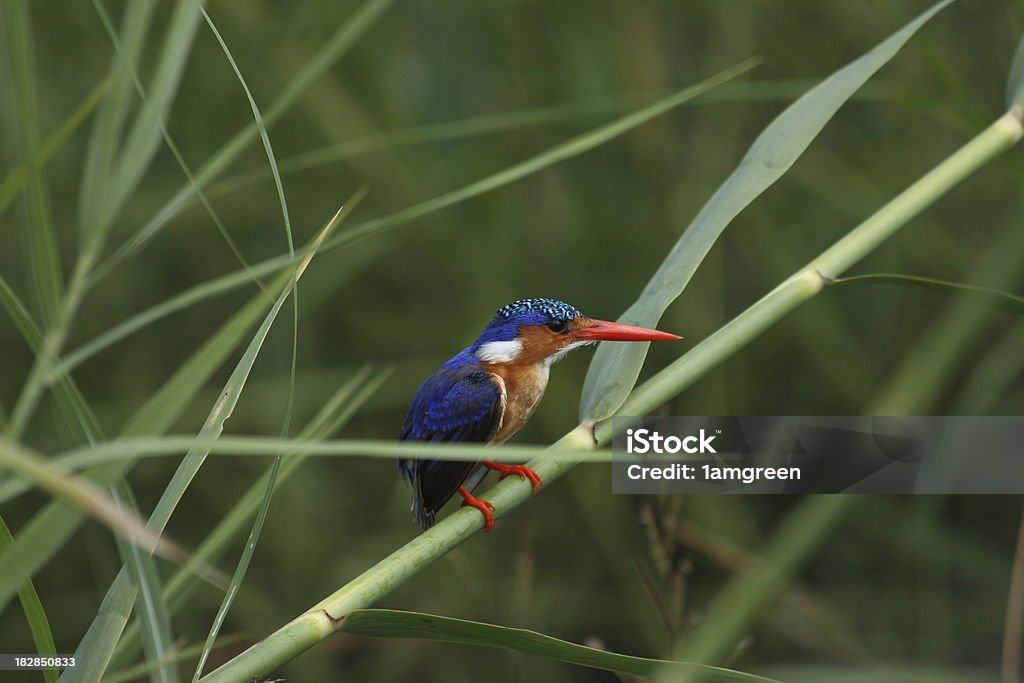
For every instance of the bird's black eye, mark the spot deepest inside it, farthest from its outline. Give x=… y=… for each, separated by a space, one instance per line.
x=557 y=325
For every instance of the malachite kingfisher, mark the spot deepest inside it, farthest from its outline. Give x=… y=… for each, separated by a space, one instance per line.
x=487 y=392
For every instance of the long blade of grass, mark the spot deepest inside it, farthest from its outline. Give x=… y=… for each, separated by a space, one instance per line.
x=84 y=495
x=340 y=43
x=157 y=116
x=19 y=560
x=35 y=615
x=384 y=623
x=130 y=449
x=180 y=302
x=237 y=279
x=15 y=181
x=134 y=672
x=156 y=625
x=570 y=148
x=261 y=127
x=102 y=636
x=913 y=386
x=246 y=446
x=96 y=194
x=240 y=568
x=69 y=398
x=332 y=416
x=50 y=529
x=45 y=265
x=95 y=214
x=990 y=295
x=233 y=388
x=143 y=138
x=506 y=121
x=231 y=281
x=261 y=513
x=616 y=367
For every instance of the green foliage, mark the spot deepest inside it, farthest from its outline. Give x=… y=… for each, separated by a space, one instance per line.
x=382 y=623
x=994 y=297
x=616 y=367
x=524 y=149
x=35 y=615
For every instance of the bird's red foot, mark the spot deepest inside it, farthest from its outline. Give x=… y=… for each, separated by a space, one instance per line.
x=484 y=506
x=522 y=470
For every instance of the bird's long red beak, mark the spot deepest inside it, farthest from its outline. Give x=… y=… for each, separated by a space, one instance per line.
x=602 y=330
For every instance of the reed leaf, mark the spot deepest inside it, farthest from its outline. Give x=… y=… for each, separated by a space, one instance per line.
x=921 y=376
x=996 y=298
x=616 y=367
x=96 y=193
x=143 y=139
x=69 y=398
x=261 y=513
x=240 y=278
x=240 y=568
x=508 y=121
x=570 y=148
x=132 y=673
x=35 y=615
x=334 y=414
x=16 y=179
x=45 y=264
x=130 y=449
x=152 y=614
x=49 y=529
x=84 y=495
x=103 y=634
x=339 y=44
x=157 y=117
x=385 y=623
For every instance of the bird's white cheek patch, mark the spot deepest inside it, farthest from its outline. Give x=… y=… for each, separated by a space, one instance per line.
x=499 y=351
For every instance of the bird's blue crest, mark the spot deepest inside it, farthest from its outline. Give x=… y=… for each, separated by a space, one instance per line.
x=536 y=311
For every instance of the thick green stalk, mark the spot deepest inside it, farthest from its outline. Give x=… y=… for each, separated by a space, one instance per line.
x=328 y=616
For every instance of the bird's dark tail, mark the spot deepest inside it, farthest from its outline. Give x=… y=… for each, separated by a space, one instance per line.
x=435 y=482
x=423 y=515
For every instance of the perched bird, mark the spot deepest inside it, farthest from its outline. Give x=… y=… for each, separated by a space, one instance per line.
x=488 y=391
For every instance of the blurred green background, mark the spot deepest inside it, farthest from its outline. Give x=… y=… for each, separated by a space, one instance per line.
x=919 y=583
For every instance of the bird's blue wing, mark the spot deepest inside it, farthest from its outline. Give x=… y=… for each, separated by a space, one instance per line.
x=461 y=403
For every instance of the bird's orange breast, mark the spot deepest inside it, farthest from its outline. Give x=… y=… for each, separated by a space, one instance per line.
x=522 y=388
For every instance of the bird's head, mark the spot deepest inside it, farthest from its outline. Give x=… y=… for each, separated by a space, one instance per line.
x=543 y=330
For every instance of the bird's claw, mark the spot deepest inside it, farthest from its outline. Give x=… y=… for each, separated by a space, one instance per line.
x=484 y=506
x=522 y=470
